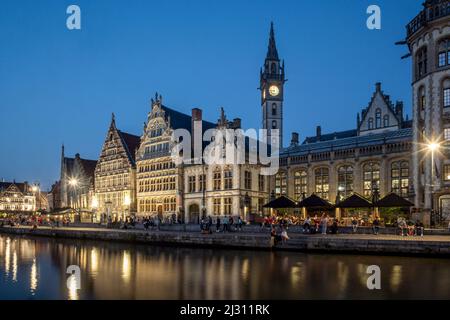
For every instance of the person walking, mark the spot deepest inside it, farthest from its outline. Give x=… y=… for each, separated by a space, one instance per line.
x=240 y=223
x=218 y=224
x=225 y=224
x=231 y=223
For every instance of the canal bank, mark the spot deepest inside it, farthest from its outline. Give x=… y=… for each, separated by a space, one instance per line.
x=435 y=245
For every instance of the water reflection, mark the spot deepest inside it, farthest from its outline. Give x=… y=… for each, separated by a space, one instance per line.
x=33 y=278
x=36 y=268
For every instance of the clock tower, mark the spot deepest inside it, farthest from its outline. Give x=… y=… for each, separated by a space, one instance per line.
x=272 y=81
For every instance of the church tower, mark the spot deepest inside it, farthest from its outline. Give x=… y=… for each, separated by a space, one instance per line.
x=272 y=81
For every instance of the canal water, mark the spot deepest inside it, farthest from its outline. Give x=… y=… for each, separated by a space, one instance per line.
x=35 y=268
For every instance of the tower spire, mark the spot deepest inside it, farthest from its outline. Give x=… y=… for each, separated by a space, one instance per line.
x=272 y=53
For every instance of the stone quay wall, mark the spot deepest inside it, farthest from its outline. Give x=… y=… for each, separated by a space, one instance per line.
x=355 y=244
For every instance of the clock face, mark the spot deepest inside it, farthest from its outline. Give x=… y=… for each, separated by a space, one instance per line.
x=274 y=91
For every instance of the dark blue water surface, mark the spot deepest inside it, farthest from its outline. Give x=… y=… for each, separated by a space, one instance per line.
x=35 y=268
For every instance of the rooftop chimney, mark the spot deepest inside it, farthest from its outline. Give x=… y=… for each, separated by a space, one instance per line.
x=237 y=123
x=318 y=132
x=378 y=86
x=294 y=139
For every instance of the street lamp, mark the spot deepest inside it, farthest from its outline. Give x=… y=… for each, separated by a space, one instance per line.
x=432 y=147
x=126 y=202
x=73 y=182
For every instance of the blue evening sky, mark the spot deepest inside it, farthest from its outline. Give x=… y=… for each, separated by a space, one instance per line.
x=59 y=86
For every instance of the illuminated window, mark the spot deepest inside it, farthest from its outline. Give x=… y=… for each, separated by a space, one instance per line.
x=216 y=206
x=300 y=184
x=322 y=181
x=227 y=206
x=280 y=184
x=371 y=178
x=345 y=180
x=400 y=178
x=447 y=134
x=446 y=97
x=446 y=172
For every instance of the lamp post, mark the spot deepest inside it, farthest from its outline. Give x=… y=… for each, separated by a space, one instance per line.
x=36 y=190
x=126 y=203
x=73 y=182
x=432 y=147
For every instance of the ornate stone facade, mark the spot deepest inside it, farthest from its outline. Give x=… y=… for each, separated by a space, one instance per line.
x=375 y=156
x=224 y=189
x=115 y=174
x=428 y=38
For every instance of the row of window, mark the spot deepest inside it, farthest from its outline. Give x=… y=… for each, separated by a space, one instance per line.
x=117 y=165
x=228 y=180
x=115 y=181
x=345 y=183
x=115 y=199
x=157 y=148
x=156 y=166
x=445 y=100
x=152 y=205
x=156 y=184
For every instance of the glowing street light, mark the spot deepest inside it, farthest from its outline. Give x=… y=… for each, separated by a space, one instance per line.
x=73 y=182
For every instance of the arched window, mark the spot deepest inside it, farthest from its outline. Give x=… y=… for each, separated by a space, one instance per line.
x=378 y=118
x=322 y=181
x=274 y=109
x=371 y=177
x=370 y=123
x=300 y=184
x=345 y=180
x=421 y=63
x=386 y=121
x=444 y=53
x=400 y=178
x=280 y=184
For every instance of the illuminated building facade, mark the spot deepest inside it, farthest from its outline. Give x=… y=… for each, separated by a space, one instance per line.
x=115 y=187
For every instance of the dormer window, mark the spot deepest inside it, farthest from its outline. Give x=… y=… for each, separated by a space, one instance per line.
x=370 y=123
x=386 y=121
x=378 y=118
